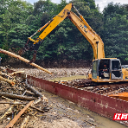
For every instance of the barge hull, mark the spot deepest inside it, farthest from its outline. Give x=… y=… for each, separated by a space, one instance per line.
x=98 y=103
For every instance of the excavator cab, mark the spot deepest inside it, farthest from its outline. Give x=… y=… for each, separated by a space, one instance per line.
x=104 y=70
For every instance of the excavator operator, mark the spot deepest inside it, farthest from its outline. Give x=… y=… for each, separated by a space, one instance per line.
x=105 y=69
x=104 y=72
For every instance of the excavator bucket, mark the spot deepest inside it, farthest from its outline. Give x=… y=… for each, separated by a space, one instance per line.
x=123 y=96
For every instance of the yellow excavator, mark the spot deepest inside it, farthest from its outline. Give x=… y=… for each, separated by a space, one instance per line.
x=103 y=69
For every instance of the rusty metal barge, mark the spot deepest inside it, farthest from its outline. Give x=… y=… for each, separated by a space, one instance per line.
x=103 y=105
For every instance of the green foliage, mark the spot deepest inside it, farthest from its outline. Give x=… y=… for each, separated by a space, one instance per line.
x=61 y=6
x=116 y=31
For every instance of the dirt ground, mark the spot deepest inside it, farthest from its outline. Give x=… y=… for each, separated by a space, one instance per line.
x=63 y=114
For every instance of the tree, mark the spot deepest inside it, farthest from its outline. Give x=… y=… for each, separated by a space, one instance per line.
x=116 y=31
x=13 y=22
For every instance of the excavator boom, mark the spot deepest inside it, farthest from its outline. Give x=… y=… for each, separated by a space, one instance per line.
x=52 y=24
x=93 y=38
x=56 y=20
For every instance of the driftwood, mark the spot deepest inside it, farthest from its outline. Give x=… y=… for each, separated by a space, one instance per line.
x=4 y=74
x=37 y=109
x=33 y=90
x=15 y=103
x=14 y=96
x=25 y=121
x=28 y=92
x=9 y=81
x=36 y=102
x=9 y=111
x=14 y=73
x=8 y=99
x=13 y=121
x=23 y=59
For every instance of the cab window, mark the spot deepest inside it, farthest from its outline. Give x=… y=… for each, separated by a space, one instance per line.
x=116 y=65
x=94 y=70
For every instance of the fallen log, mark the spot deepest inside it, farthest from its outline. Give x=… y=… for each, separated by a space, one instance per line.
x=33 y=90
x=7 y=80
x=23 y=59
x=28 y=93
x=36 y=92
x=15 y=103
x=14 y=96
x=13 y=121
x=14 y=73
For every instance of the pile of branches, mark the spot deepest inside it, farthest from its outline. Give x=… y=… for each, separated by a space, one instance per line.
x=103 y=88
x=24 y=100
x=77 y=83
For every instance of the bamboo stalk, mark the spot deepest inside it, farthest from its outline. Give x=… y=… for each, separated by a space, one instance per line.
x=13 y=121
x=9 y=81
x=23 y=59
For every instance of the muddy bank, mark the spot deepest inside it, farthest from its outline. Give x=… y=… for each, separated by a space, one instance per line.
x=66 y=114
x=51 y=112
x=56 y=72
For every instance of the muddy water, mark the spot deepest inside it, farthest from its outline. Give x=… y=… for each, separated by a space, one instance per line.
x=86 y=115
x=85 y=118
x=102 y=122
x=69 y=78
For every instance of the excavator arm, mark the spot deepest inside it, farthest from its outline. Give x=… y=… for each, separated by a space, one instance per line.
x=53 y=23
x=93 y=38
